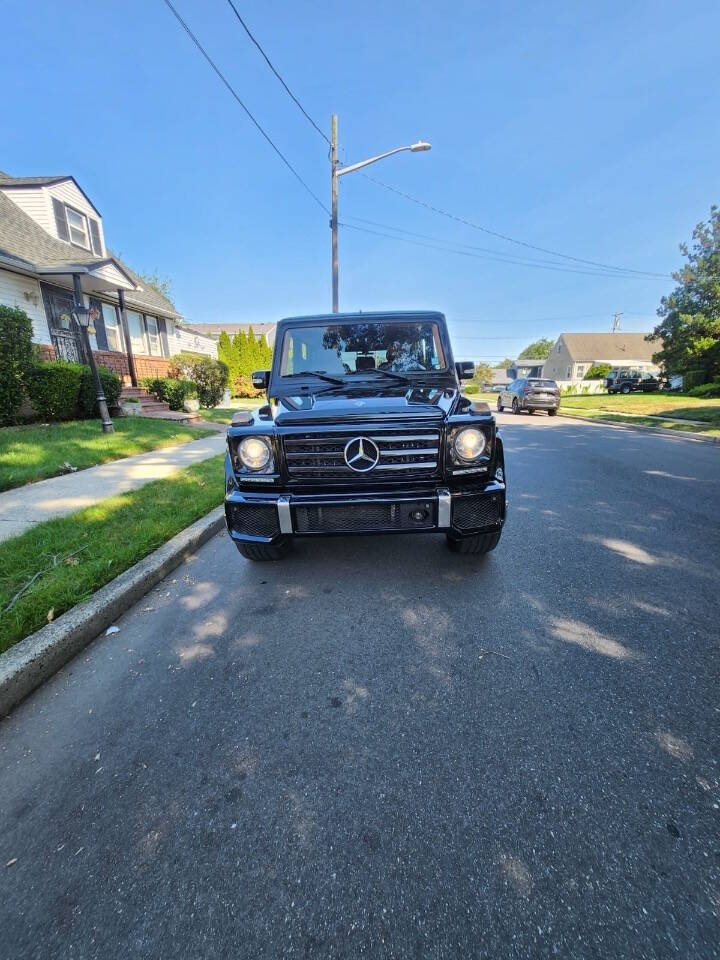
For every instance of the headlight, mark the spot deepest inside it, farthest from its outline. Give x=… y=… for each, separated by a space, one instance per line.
x=254 y=453
x=469 y=443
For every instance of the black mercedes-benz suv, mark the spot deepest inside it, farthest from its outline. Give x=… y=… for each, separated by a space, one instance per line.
x=365 y=431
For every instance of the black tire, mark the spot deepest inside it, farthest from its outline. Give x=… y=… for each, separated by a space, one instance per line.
x=531 y=410
x=552 y=413
x=266 y=551
x=477 y=544
x=625 y=388
x=499 y=405
x=516 y=407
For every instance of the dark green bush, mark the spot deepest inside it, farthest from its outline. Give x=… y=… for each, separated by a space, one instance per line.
x=54 y=388
x=694 y=378
x=16 y=359
x=87 y=397
x=209 y=376
x=707 y=391
x=174 y=392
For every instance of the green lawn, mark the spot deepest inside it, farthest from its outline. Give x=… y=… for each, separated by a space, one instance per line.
x=77 y=554
x=225 y=414
x=643 y=409
x=39 y=451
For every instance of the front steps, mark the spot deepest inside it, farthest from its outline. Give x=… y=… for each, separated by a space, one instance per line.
x=157 y=409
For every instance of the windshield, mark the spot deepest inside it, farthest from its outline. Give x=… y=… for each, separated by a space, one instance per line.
x=360 y=348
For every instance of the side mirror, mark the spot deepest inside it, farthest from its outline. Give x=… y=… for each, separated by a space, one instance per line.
x=465 y=370
x=261 y=379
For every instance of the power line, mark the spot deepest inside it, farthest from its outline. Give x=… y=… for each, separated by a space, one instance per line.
x=495 y=254
x=235 y=95
x=502 y=236
x=496 y=259
x=269 y=63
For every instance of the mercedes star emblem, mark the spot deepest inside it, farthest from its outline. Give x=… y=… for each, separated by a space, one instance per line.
x=361 y=454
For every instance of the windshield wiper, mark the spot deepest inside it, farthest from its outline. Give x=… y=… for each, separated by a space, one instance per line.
x=314 y=373
x=389 y=373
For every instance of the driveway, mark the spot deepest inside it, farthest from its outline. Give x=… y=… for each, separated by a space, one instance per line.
x=382 y=749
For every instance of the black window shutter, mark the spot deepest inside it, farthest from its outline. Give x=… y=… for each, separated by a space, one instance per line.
x=95 y=236
x=60 y=221
x=99 y=324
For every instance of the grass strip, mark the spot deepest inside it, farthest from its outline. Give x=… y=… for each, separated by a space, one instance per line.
x=58 y=564
x=655 y=404
x=712 y=429
x=39 y=451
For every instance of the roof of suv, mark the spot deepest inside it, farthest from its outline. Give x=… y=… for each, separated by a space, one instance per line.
x=374 y=316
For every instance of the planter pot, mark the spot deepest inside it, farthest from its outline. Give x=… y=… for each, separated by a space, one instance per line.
x=130 y=409
x=191 y=405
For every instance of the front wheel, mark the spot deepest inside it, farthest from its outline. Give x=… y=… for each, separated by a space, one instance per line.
x=552 y=413
x=479 y=543
x=499 y=405
x=625 y=388
x=516 y=407
x=266 y=551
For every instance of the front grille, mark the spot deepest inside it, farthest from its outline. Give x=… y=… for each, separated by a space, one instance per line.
x=362 y=518
x=403 y=453
x=254 y=519
x=472 y=512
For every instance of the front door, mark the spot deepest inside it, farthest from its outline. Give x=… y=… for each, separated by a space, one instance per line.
x=64 y=330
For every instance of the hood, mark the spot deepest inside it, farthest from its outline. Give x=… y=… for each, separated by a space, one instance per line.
x=348 y=403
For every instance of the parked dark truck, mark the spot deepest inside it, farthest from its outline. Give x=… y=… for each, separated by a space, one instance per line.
x=365 y=431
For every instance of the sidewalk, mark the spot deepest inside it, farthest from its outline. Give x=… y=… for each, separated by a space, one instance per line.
x=37 y=502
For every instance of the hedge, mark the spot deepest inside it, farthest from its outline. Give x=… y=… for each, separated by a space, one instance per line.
x=174 y=392
x=66 y=391
x=16 y=359
x=471 y=388
x=706 y=391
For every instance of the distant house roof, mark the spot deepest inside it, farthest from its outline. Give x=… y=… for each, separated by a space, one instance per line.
x=8 y=182
x=499 y=377
x=215 y=329
x=610 y=347
x=26 y=245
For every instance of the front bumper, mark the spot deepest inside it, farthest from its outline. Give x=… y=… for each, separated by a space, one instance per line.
x=265 y=517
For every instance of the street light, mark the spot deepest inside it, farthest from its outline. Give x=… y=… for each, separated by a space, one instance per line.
x=81 y=315
x=336 y=172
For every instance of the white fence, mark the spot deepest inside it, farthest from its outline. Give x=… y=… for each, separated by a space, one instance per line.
x=582 y=386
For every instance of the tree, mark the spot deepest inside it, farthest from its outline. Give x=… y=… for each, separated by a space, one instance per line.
x=227 y=352
x=483 y=373
x=161 y=285
x=503 y=364
x=689 y=328
x=537 y=350
x=598 y=371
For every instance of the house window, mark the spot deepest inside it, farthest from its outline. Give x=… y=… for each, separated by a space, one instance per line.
x=568 y=373
x=77 y=227
x=558 y=348
x=137 y=332
x=580 y=370
x=151 y=325
x=112 y=328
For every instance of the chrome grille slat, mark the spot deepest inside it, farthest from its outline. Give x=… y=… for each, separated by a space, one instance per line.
x=401 y=452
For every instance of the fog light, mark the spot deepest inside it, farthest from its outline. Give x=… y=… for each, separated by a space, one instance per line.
x=419 y=515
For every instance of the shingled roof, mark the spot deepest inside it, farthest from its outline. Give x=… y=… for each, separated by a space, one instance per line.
x=30 y=247
x=610 y=347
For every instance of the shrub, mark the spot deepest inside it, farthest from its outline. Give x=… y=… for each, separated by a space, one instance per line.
x=16 y=359
x=209 y=376
x=87 y=397
x=173 y=392
x=54 y=389
x=471 y=388
x=693 y=378
x=706 y=391
x=598 y=371
x=243 y=387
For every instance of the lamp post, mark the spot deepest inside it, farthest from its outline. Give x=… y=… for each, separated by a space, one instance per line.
x=82 y=317
x=335 y=173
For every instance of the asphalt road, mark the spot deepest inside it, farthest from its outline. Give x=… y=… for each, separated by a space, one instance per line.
x=382 y=749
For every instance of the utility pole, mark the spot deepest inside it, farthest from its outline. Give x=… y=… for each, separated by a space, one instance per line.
x=334 y=210
x=616 y=322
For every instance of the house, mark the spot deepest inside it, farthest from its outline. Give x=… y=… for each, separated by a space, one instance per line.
x=499 y=379
x=525 y=367
x=574 y=353
x=214 y=330
x=52 y=241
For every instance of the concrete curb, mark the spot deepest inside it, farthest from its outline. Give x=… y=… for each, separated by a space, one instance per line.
x=35 y=659
x=678 y=434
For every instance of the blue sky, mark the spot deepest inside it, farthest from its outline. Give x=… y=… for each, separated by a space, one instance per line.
x=585 y=128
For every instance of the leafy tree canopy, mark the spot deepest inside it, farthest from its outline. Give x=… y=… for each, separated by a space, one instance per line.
x=483 y=373
x=503 y=364
x=538 y=349
x=689 y=328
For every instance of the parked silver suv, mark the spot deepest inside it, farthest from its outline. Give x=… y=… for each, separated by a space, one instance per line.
x=531 y=394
